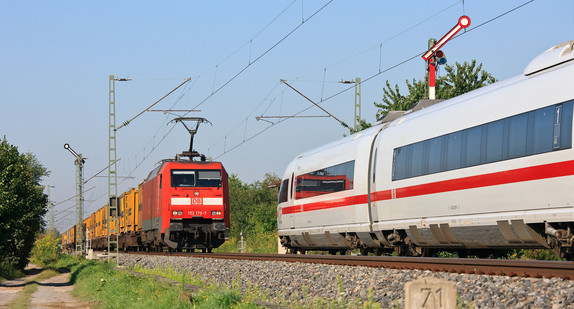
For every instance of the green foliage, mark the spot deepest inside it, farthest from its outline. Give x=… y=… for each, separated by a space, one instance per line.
x=459 y=79
x=535 y=254
x=265 y=242
x=102 y=284
x=447 y=254
x=465 y=78
x=253 y=206
x=9 y=271
x=46 y=250
x=22 y=205
x=395 y=101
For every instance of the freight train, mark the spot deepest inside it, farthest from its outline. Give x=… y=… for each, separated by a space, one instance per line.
x=182 y=204
x=490 y=169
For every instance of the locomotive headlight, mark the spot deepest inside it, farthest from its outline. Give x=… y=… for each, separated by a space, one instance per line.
x=216 y=213
x=179 y=213
x=196 y=193
x=174 y=213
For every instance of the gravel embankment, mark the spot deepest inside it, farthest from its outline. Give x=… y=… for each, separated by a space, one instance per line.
x=291 y=279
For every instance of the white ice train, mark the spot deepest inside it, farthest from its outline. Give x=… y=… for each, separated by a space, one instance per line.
x=493 y=168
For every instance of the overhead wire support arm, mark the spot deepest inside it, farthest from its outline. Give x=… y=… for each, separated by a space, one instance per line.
x=145 y=110
x=341 y=122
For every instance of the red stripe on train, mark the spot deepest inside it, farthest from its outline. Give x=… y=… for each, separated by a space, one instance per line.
x=546 y=171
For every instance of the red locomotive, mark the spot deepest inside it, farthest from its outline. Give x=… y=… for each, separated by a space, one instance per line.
x=185 y=205
x=182 y=204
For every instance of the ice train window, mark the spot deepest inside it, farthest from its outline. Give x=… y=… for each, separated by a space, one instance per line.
x=282 y=197
x=517 y=136
x=400 y=162
x=566 y=126
x=434 y=155
x=332 y=179
x=494 y=134
x=543 y=130
x=539 y=131
x=454 y=151
x=417 y=160
x=472 y=147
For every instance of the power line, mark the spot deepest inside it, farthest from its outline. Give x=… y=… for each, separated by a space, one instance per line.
x=379 y=45
x=145 y=110
x=261 y=56
x=331 y=115
x=370 y=78
x=250 y=63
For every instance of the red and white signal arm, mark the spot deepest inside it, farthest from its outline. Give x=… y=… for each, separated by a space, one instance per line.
x=463 y=22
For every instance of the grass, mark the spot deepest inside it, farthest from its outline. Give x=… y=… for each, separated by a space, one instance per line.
x=107 y=287
x=262 y=243
x=101 y=283
x=24 y=298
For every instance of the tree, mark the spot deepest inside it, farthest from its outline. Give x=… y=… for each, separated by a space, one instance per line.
x=459 y=79
x=253 y=206
x=22 y=204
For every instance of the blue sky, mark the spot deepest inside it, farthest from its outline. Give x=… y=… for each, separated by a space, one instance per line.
x=56 y=58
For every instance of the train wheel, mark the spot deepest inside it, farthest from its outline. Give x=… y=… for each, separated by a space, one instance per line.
x=333 y=252
x=203 y=250
x=209 y=250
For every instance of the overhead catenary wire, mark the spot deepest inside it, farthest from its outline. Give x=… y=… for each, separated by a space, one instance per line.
x=371 y=77
x=145 y=156
x=145 y=110
x=247 y=139
x=355 y=55
x=331 y=115
x=261 y=56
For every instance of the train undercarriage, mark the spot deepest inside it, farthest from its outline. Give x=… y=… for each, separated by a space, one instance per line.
x=179 y=237
x=412 y=242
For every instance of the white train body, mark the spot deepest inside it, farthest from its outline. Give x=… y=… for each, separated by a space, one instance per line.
x=493 y=168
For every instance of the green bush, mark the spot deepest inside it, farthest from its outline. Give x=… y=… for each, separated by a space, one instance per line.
x=9 y=270
x=537 y=254
x=46 y=250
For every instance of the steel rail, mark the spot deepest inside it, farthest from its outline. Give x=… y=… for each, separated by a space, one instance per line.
x=512 y=268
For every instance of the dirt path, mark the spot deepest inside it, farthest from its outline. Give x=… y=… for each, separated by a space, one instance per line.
x=55 y=292
x=51 y=293
x=9 y=289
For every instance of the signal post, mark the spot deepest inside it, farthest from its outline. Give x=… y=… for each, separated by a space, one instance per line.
x=434 y=56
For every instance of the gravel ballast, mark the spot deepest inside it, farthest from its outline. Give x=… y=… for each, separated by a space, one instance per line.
x=282 y=280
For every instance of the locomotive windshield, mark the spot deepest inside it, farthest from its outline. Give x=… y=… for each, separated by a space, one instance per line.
x=194 y=178
x=209 y=178
x=182 y=178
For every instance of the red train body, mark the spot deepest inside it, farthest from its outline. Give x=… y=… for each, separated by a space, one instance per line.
x=182 y=204
x=185 y=204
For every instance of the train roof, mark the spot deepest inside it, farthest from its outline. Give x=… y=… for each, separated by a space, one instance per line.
x=554 y=58
x=156 y=170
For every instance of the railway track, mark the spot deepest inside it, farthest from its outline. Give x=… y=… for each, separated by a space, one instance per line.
x=512 y=268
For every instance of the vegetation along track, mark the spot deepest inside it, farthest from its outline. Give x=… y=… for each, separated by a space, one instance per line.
x=520 y=268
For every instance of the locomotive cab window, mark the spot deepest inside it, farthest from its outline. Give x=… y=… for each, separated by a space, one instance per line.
x=182 y=178
x=208 y=179
x=193 y=178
